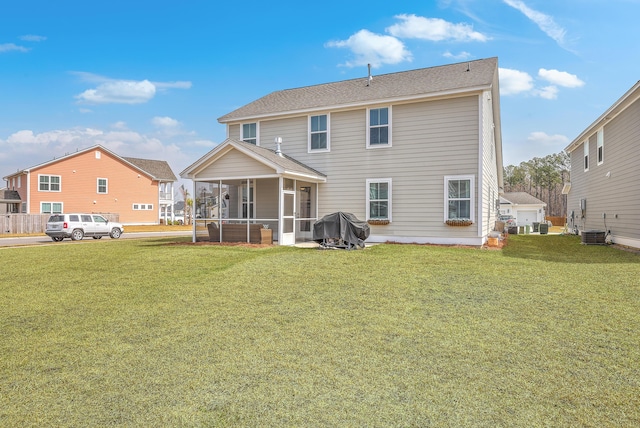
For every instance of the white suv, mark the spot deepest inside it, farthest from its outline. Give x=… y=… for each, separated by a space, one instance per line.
x=77 y=226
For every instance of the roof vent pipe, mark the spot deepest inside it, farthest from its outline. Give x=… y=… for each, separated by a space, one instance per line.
x=278 y=141
x=370 y=78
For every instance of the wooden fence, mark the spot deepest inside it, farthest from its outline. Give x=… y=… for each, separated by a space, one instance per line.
x=19 y=224
x=557 y=221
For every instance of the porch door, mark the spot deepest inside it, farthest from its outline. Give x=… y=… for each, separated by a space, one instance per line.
x=288 y=217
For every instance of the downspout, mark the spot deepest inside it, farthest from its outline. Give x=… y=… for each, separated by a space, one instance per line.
x=480 y=191
x=193 y=214
x=28 y=193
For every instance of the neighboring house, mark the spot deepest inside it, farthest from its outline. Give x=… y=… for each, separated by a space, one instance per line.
x=604 y=193
x=408 y=151
x=96 y=180
x=9 y=201
x=526 y=209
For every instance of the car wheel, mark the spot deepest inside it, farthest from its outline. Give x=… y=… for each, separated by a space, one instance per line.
x=77 y=234
x=56 y=239
x=97 y=237
x=115 y=233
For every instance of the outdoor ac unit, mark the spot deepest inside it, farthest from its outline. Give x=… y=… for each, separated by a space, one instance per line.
x=593 y=237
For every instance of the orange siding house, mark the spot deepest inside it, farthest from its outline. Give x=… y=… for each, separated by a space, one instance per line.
x=96 y=180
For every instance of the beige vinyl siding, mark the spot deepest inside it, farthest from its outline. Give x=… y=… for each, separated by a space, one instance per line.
x=233 y=131
x=234 y=164
x=620 y=192
x=430 y=140
x=489 y=186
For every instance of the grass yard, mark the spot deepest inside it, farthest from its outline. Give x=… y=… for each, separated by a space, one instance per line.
x=140 y=333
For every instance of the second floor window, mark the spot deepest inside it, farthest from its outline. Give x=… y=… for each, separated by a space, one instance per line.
x=600 y=145
x=319 y=133
x=102 y=185
x=49 y=183
x=250 y=133
x=586 y=156
x=379 y=129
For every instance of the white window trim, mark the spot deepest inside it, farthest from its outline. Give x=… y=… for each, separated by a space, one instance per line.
x=378 y=146
x=98 y=186
x=586 y=162
x=600 y=144
x=56 y=202
x=472 y=209
x=50 y=175
x=368 y=207
x=257 y=131
x=328 y=148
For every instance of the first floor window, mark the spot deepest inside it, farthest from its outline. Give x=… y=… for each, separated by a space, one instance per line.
x=142 y=207
x=458 y=192
x=379 y=199
x=102 y=185
x=250 y=133
x=319 y=133
x=50 y=207
x=49 y=183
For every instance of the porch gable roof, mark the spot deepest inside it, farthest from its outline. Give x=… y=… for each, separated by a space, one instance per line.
x=281 y=164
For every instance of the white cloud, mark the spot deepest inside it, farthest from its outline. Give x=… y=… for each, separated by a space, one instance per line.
x=548 y=92
x=545 y=22
x=374 y=49
x=514 y=81
x=560 y=78
x=114 y=91
x=8 y=47
x=33 y=38
x=462 y=55
x=542 y=138
x=433 y=29
x=165 y=122
x=119 y=92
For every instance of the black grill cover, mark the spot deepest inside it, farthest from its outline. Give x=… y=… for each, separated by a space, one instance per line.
x=341 y=226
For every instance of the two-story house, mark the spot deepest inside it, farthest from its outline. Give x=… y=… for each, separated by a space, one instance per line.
x=95 y=180
x=604 y=193
x=418 y=154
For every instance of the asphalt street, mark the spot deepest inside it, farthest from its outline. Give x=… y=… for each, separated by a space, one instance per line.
x=45 y=240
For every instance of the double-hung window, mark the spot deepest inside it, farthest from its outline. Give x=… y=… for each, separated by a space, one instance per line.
x=459 y=197
x=600 y=145
x=586 y=155
x=319 y=133
x=250 y=133
x=50 y=207
x=379 y=127
x=49 y=183
x=379 y=199
x=102 y=186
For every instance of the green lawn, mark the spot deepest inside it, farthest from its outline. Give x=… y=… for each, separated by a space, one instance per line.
x=140 y=333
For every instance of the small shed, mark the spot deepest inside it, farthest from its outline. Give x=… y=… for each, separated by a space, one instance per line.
x=525 y=208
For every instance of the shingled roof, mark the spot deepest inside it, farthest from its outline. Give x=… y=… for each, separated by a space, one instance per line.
x=522 y=198
x=159 y=170
x=284 y=163
x=451 y=78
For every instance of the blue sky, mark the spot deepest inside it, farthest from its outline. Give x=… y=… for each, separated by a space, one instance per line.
x=149 y=78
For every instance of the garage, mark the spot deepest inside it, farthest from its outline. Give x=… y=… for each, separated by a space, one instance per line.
x=525 y=218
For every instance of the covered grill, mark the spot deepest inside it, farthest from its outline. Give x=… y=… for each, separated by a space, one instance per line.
x=340 y=230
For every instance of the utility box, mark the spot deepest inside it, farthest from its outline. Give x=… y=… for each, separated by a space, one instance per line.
x=593 y=237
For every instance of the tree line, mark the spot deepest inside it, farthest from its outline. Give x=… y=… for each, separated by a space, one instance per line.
x=542 y=178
